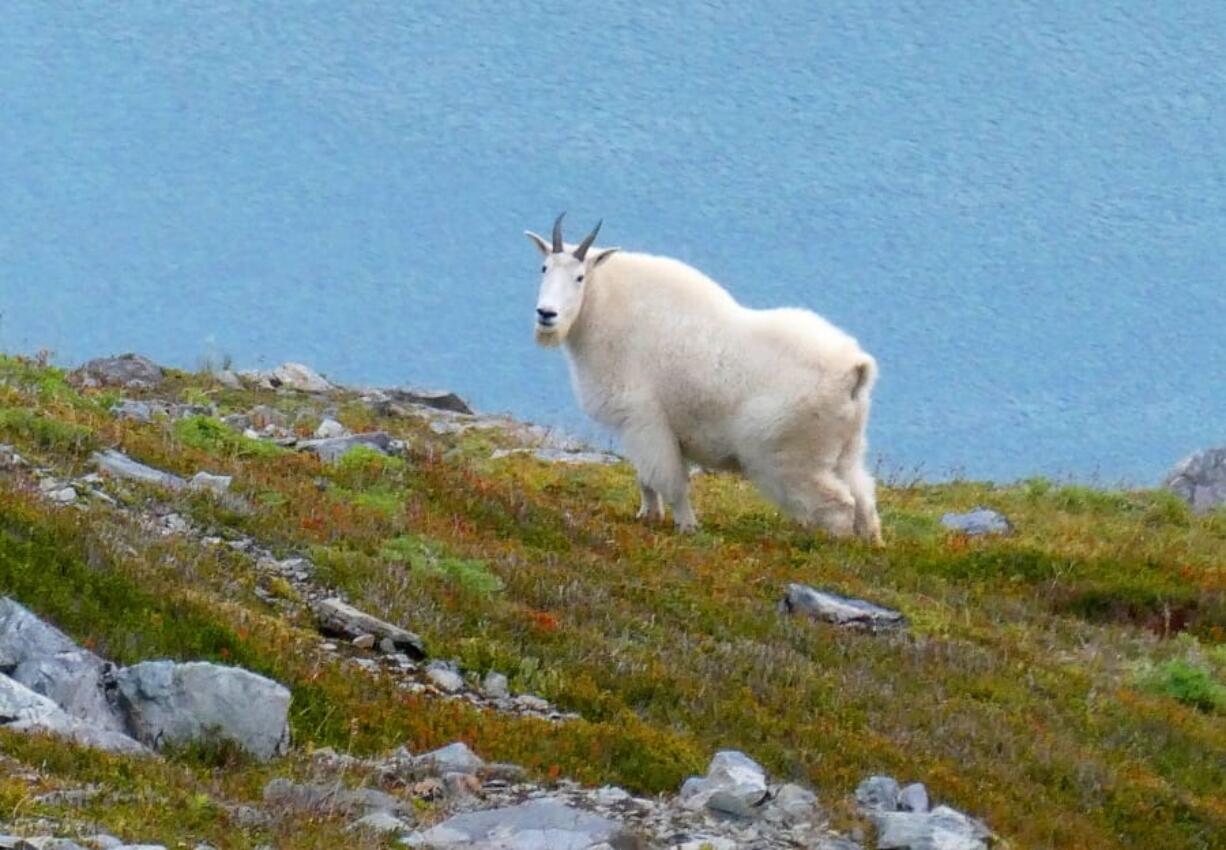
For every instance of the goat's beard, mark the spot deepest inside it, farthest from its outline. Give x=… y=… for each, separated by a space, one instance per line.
x=548 y=337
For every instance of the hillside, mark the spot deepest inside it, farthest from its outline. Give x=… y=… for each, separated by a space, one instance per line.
x=1065 y=682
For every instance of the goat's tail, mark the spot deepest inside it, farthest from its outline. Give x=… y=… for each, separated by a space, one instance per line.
x=863 y=375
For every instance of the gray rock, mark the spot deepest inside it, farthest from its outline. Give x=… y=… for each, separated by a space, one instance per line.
x=380 y=823
x=24 y=637
x=1200 y=479
x=228 y=379
x=366 y=641
x=138 y=411
x=977 y=522
x=496 y=685
x=840 y=610
x=453 y=758
x=78 y=683
x=261 y=416
x=212 y=483
x=941 y=829
x=444 y=677
x=22 y=710
x=795 y=804
x=119 y=465
x=169 y=703
x=386 y=401
x=295 y=376
x=126 y=370
x=338 y=618
x=913 y=798
x=330 y=428
x=333 y=449
x=735 y=784
x=534 y=825
x=878 y=793
x=65 y=495
x=103 y=841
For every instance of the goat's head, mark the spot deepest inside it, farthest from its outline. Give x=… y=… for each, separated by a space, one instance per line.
x=565 y=278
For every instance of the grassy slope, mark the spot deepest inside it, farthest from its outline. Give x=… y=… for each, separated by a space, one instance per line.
x=1034 y=688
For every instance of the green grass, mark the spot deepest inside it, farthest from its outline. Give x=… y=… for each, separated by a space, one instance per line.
x=1064 y=683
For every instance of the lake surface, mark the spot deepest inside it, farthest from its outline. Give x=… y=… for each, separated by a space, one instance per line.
x=1019 y=208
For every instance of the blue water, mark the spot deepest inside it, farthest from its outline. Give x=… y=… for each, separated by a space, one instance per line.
x=1019 y=208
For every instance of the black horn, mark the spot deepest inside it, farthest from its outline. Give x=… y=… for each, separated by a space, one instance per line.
x=557 y=234
x=581 y=251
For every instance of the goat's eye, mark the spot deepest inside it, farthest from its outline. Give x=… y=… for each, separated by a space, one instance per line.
x=579 y=279
x=544 y=269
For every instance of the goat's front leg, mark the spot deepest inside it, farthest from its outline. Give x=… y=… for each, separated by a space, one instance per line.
x=657 y=459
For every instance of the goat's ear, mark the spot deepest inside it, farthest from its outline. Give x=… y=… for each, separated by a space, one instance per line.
x=541 y=244
x=604 y=254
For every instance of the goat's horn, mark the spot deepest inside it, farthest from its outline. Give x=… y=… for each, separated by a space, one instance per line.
x=557 y=234
x=581 y=251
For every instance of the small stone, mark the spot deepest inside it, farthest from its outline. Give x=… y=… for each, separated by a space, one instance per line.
x=796 y=804
x=330 y=428
x=444 y=677
x=214 y=483
x=453 y=758
x=365 y=641
x=531 y=702
x=609 y=795
x=387 y=645
x=103 y=841
x=840 y=610
x=63 y=495
x=458 y=784
x=878 y=793
x=137 y=411
x=977 y=522
x=913 y=798
x=495 y=685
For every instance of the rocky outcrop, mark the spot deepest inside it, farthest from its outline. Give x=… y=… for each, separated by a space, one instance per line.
x=1200 y=479
x=23 y=710
x=840 y=610
x=167 y=703
x=119 y=465
x=904 y=821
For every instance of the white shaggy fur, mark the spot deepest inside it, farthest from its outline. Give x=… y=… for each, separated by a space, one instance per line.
x=665 y=357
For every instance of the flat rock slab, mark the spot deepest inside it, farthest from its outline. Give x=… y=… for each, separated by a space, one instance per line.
x=170 y=703
x=126 y=370
x=941 y=829
x=977 y=522
x=534 y=825
x=332 y=449
x=119 y=465
x=296 y=376
x=840 y=610
x=338 y=618
x=22 y=710
x=435 y=399
x=1200 y=479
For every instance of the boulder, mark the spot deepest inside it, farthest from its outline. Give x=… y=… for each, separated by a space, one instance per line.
x=453 y=758
x=329 y=429
x=338 y=618
x=1200 y=479
x=332 y=449
x=735 y=784
x=127 y=370
x=496 y=685
x=978 y=522
x=25 y=711
x=445 y=677
x=535 y=825
x=119 y=465
x=840 y=610
x=24 y=637
x=295 y=376
x=170 y=703
x=78 y=682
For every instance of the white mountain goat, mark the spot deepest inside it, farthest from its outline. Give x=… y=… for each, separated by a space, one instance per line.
x=665 y=357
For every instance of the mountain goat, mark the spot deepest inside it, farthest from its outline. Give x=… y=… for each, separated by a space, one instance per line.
x=667 y=359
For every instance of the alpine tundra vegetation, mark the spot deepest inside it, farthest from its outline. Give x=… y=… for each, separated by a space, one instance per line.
x=465 y=628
